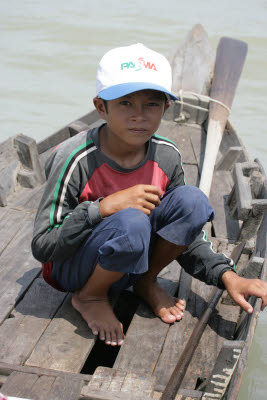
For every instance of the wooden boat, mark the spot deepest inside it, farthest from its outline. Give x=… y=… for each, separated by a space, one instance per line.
x=46 y=349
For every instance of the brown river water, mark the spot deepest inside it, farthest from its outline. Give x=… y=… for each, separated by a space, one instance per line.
x=49 y=55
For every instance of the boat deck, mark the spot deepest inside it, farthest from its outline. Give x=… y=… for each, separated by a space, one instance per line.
x=46 y=348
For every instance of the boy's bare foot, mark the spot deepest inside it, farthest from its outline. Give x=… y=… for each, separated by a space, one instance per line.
x=98 y=314
x=168 y=308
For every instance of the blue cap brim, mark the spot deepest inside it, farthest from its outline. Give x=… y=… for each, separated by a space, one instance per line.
x=116 y=91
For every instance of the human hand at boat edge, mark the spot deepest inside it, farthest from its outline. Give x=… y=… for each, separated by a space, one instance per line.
x=240 y=288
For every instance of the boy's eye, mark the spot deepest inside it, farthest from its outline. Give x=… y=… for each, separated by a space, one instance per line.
x=125 y=103
x=153 y=104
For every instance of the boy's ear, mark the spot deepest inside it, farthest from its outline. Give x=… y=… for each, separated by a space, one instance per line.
x=100 y=107
x=167 y=105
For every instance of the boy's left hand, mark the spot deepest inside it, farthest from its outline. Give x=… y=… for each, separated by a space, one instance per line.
x=240 y=288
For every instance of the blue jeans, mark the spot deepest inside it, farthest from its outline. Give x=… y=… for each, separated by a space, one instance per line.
x=123 y=241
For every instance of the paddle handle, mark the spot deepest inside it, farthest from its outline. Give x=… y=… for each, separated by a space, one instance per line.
x=214 y=137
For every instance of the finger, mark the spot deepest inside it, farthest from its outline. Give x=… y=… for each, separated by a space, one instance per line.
x=153 y=189
x=152 y=198
x=244 y=304
x=146 y=207
x=258 y=289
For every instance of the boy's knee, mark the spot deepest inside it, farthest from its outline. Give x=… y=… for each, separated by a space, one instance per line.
x=190 y=198
x=134 y=222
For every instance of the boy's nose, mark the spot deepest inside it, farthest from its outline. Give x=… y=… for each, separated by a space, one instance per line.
x=138 y=113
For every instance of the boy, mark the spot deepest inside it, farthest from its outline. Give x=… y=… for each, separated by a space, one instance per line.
x=116 y=209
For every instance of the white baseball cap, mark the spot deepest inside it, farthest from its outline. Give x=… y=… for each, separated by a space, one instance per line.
x=127 y=69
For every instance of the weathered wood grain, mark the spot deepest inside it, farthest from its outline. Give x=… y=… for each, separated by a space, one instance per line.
x=26 y=199
x=115 y=381
x=65 y=344
x=223 y=369
x=191 y=174
x=19 y=384
x=19 y=334
x=145 y=338
x=220 y=328
x=228 y=159
x=100 y=395
x=6 y=369
x=198 y=140
x=225 y=226
x=18 y=269
x=10 y=223
x=33 y=386
x=192 y=62
x=64 y=133
x=65 y=388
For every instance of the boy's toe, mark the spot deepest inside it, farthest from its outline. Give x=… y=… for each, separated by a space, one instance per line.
x=102 y=335
x=108 y=338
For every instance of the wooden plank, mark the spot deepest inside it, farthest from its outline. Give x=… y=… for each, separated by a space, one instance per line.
x=224 y=225
x=65 y=344
x=19 y=384
x=33 y=386
x=26 y=199
x=41 y=388
x=173 y=346
x=180 y=135
x=229 y=158
x=235 y=383
x=145 y=338
x=18 y=269
x=192 y=62
x=10 y=223
x=7 y=369
x=165 y=128
x=19 y=334
x=221 y=327
x=182 y=393
x=223 y=370
x=118 y=380
x=65 y=388
x=198 y=140
x=191 y=174
x=99 y=395
x=171 y=272
x=115 y=381
x=64 y=134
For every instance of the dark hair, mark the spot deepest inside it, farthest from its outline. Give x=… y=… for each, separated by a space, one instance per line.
x=105 y=105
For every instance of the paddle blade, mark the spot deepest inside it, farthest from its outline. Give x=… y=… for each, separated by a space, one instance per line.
x=230 y=59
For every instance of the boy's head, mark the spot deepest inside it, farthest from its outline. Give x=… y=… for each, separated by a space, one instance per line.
x=129 y=69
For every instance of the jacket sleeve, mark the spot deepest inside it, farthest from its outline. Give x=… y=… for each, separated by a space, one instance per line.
x=200 y=261
x=177 y=178
x=61 y=227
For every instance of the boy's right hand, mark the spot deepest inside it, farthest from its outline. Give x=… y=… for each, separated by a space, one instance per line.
x=142 y=197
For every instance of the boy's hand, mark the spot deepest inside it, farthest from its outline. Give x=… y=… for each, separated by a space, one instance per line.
x=143 y=197
x=239 y=288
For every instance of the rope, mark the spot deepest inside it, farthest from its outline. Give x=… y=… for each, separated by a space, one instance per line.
x=200 y=96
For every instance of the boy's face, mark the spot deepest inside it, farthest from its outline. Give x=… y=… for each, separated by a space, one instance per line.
x=133 y=118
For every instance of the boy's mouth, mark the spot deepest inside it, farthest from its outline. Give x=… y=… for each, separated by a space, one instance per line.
x=138 y=130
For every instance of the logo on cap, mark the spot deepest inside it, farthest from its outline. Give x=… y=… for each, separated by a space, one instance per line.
x=141 y=64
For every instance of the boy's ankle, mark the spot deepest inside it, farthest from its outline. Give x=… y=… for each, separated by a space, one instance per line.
x=84 y=297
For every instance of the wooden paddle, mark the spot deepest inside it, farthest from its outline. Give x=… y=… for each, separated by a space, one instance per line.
x=230 y=58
